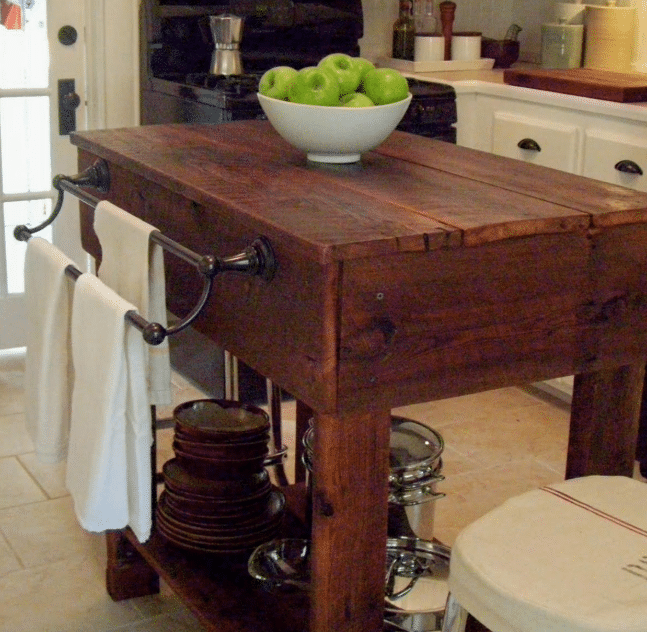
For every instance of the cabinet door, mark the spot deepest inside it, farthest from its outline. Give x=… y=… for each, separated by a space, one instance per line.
x=541 y=142
x=616 y=158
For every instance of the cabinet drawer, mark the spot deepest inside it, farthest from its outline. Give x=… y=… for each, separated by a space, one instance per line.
x=616 y=158
x=546 y=143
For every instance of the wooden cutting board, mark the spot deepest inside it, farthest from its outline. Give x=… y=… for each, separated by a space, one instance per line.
x=583 y=82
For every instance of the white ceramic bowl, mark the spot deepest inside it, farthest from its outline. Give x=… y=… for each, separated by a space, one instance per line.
x=333 y=134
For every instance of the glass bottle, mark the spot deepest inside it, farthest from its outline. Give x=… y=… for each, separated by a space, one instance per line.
x=404 y=33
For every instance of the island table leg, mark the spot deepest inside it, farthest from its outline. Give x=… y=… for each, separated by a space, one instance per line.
x=349 y=521
x=128 y=575
x=604 y=422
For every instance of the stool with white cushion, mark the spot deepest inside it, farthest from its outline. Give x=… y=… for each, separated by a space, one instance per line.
x=569 y=557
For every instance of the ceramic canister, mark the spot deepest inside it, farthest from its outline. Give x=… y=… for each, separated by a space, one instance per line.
x=429 y=48
x=570 y=12
x=561 y=45
x=466 y=46
x=609 y=38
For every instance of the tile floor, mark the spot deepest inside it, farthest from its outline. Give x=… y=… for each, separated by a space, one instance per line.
x=498 y=444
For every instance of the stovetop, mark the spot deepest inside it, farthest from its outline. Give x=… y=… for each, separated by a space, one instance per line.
x=433 y=105
x=228 y=92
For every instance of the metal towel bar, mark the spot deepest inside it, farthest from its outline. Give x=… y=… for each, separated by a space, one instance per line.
x=256 y=260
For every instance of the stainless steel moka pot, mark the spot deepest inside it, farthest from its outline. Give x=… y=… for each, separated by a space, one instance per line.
x=227 y=31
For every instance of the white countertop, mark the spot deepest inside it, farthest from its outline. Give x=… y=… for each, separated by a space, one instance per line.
x=491 y=82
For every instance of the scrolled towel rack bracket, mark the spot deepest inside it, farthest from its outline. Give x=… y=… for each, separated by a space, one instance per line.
x=256 y=260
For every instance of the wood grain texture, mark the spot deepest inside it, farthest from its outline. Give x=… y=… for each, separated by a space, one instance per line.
x=601 y=203
x=604 y=422
x=622 y=87
x=351 y=471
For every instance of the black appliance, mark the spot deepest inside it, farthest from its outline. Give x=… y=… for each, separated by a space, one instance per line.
x=177 y=46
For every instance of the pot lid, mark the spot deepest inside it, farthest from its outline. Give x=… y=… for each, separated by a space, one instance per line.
x=413 y=444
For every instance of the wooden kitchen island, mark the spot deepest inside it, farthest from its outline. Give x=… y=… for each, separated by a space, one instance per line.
x=424 y=272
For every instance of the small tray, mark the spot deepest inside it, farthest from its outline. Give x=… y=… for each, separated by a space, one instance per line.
x=435 y=66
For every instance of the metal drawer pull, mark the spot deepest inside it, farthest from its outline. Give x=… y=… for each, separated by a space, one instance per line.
x=529 y=143
x=629 y=166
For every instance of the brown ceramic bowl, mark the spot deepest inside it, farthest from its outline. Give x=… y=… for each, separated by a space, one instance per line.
x=177 y=477
x=221 y=420
x=504 y=52
x=228 y=451
x=218 y=469
x=218 y=509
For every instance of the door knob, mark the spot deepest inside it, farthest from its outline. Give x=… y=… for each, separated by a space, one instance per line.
x=67 y=35
x=68 y=101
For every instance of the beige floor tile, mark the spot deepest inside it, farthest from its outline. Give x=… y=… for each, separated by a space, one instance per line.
x=51 y=477
x=523 y=433
x=440 y=413
x=180 y=621
x=471 y=495
x=66 y=596
x=45 y=532
x=165 y=602
x=9 y=563
x=14 y=438
x=16 y=486
x=11 y=392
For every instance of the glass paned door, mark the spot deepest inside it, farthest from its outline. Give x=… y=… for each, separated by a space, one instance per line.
x=31 y=62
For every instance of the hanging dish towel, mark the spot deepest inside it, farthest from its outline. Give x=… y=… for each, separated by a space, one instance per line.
x=48 y=365
x=133 y=266
x=109 y=461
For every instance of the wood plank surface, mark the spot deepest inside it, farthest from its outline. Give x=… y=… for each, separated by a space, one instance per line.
x=280 y=328
x=606 y=204
x=413 y=194
x=608 y=85
x=211 y=168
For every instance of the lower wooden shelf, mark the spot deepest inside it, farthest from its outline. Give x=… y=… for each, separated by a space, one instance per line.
x=217 y=589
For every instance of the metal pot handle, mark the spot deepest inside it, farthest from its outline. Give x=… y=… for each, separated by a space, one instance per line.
x=391 y=574
x=276 y=458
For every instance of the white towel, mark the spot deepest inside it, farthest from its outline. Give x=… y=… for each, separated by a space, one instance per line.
x=133 y=266
x=48 y=366
x=109 y=461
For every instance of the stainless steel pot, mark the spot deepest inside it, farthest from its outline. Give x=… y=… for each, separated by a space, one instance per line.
x=415 y=470
x=416 y=585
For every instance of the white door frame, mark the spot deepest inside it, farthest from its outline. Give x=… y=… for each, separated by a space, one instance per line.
x=112 y=63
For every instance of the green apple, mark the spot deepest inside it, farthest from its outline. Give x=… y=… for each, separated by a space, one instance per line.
x=276 y=81
x=315 y=86
x=347 y=71
x=355 y=100
x=364 y=66
x=385 y=85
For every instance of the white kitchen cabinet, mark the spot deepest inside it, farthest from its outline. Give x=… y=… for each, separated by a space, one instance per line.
x=616 y=158
x=598 y=139
x=540 y=141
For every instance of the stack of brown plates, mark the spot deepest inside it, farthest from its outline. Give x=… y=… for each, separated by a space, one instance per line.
x=218 y=497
